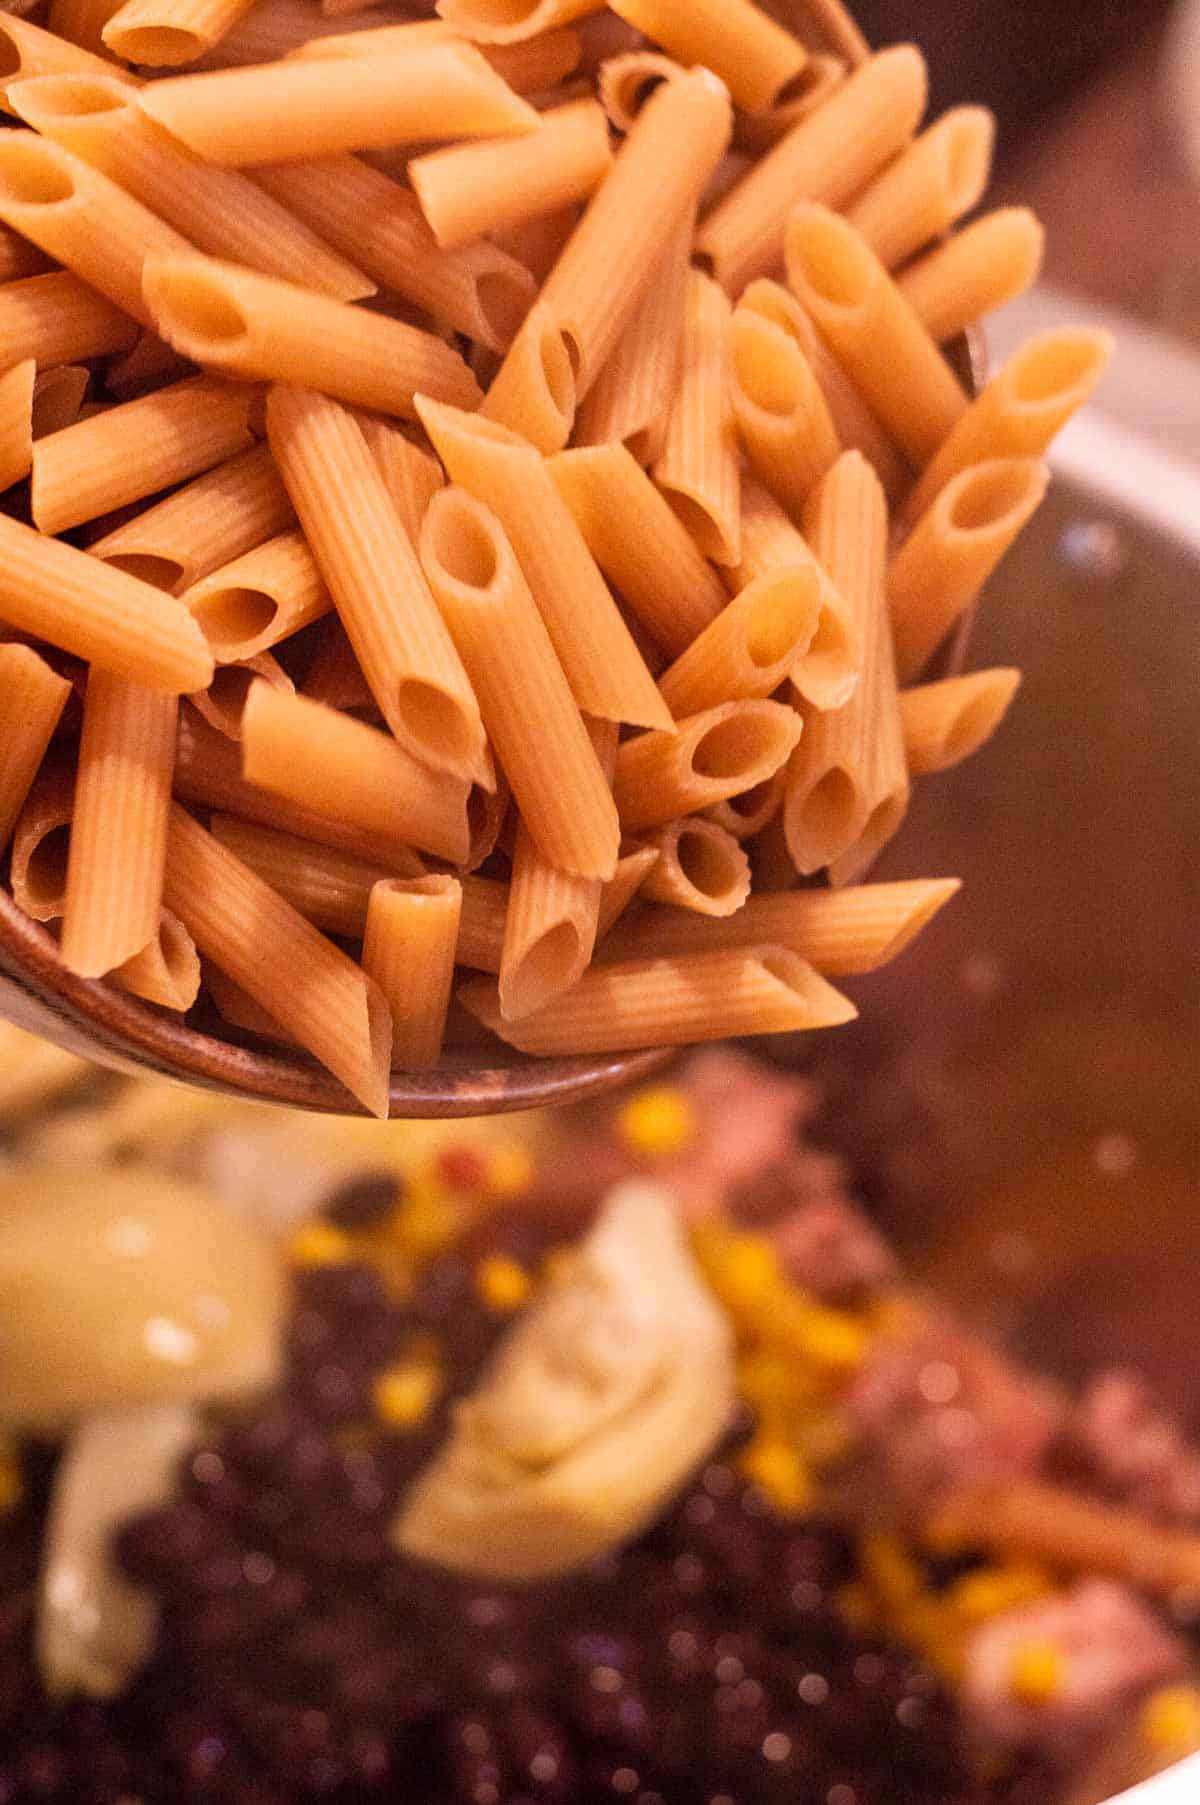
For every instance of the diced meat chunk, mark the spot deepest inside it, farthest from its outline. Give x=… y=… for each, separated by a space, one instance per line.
x=1121 y=1441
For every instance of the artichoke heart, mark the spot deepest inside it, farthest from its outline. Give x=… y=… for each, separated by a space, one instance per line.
x=611 y=1389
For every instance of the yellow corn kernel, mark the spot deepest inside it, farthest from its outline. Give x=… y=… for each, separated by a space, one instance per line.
x=502 y=1284
x=321 y=1244
x=743 y=1270
x=832 y=1340
x=993 y=1590
x=890 y=1569
x=1171 y=1718
x=404 y=1394
x=1037 y=1671
x=507 y=1171
x=426 y=1221
x=778 y=1471
x=657 y=1122
x=10 y=1477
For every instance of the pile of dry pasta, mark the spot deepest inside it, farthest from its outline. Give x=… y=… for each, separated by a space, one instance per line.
x=495 y=484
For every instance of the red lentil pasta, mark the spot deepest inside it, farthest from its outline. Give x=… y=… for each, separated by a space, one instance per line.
x=519 y=484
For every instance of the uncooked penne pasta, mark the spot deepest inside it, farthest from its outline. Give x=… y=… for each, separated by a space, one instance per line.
x=221 y=211
x=330 y=888
x=945 y=723
x=164 y=33
x=412 y=931
x=633 y=868
x=137 y=449
x=923 y=193
x=698 y=469
x=539 y=243
x=953 y=550
x=843 y=933
x=532 y=66
x=848 y=789
x=983 y=267
x=56 y=593
x=16 y=422
x=239 y=1010
x=512 y=21
x=700 y=868
x=379 y=226
x=471 y=189
x=631 y=399
x=32 y=698
x=627 y=82
x=873 y=331
x=671 y=1002
x=488 y=815
x=58 y=319
x=264 y=596
x=550 y=927
x=754 y=644
x=18 y=257
x=821 y=74
x=279 y=28
x=827 y=157
x=411 y=476
x=639 y=543
x=118 y=824
x=81 y=21
x=331 y=764
x=41 y=843
x=206 y=524
x=832 y=25
x=555 y=776
x=372 y=571
x=746 y=816
x=28 y=50
x=534 y=391
x=783 y=419
x=167 y=970
x=606 y=672
x=244 y=324
x=261 y=942
x=303 y=108
x=827 y=673
x=58 y=398
x=223 y=703
x=754 y=56
x=663 y=776
x=81 y=218
x=1021 y=411
x=150 y=365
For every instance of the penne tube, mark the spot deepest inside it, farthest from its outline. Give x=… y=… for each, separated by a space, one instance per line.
x=512 y=21
x=32 y=698
x=206 y=524
x=374 y=576
x=19 y=258
x=97 y=118
x=534 y=392
x=330 y=888
x=698 y=469
x=555 y=776
x=539 y=243
x=1021 y=411
x=983 y=267
x=538 y=64
x=944 y=723
x=16 y=422
x=118 y=824
x=631 y=399
x=919 y=197
x=746 y=816
x=41 y=843
x=331 y=764
x=56 y=319
x=299 y=109
x=671 y=1002
x=700 y=868
x=831 y=23
x=379 y=226
x=52 y=591
x=136 y=449
x=550 y=926
x=633 y=868
x=27 y=50
x=223 y=703
x=760 y=131
x=751 y=648
x=753 y=55
x=639 y=543
x=471 y=189
x=953 y=550
x=873 y=331
x=720 y=753
x=412 y=477
x=626 y=83
x=412 y=931
x=81 y=218
x=857 y=428
x=208 y=773
x=260 y=942
x=260 y=598
x=826 y=674
x=335 y=675
x=606 y=672
x=81 y=21
x=58 y=399
x=239 y=1010
x=167 y=970
x=279 y=28
x=248 y=325
x=164 y=33
x=150 y=365
x=827 y=157
x=843 y=933
x=783 y=419
x=489 y=813
x=847 y=788
x=770 y=857
x=371 y=39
